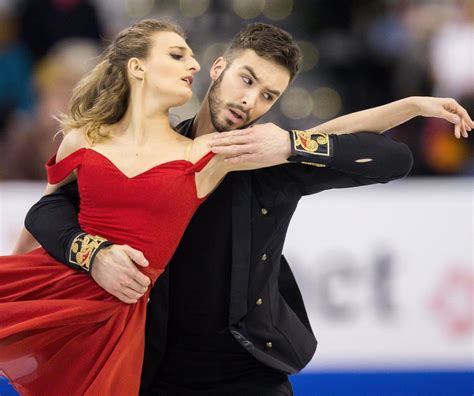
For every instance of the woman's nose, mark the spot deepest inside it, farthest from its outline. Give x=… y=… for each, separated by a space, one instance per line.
x=194 y=65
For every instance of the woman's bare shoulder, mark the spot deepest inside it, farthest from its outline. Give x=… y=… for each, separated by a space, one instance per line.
x=201 y=146
x=73 y=140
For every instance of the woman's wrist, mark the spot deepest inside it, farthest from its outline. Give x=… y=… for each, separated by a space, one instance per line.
x=414 y=105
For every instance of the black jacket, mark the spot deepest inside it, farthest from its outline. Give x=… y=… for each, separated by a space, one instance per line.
x=266 y=313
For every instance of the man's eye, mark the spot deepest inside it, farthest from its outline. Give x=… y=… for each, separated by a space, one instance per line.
x=268 y=97
x=247 y=80
x=177 y=56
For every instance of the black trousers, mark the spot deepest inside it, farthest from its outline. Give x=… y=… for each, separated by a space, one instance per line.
x=219 y=367
x=236 y=389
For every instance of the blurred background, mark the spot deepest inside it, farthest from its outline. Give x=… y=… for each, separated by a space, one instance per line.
x=389 y=285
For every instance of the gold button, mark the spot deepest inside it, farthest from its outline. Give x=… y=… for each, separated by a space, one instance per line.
x=259 y=301
x=264 y=211
x=269 y=344
x=264 y=257
x=148 y=300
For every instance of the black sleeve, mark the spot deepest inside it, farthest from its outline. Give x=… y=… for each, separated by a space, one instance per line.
x=356 y=159
x=53 y=221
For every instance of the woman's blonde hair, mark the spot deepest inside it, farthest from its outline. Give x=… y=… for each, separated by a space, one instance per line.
x=101 y=96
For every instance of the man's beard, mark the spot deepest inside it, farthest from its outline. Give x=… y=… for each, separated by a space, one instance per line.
x=216 y=104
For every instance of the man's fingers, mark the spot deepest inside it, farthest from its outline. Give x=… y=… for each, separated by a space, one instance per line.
x=124 y=298
x=132 y=294
x=136 y=256
x=229 y=141
x=232 y=151
x=239 y=159
x=240 y=132
x=141 y=279
x=137 y=287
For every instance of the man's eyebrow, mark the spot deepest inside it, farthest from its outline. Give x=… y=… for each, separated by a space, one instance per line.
x=252 y=73
x=183 y=49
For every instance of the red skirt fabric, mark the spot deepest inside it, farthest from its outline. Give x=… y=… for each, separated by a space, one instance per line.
x=62 y=334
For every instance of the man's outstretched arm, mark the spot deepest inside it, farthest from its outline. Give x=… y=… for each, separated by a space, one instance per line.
x=348 y=160
x=53 y=222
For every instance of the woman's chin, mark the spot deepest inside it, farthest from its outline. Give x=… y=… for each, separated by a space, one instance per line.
x=182 y=99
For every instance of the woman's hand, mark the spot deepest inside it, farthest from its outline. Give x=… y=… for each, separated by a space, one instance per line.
x=448 y=109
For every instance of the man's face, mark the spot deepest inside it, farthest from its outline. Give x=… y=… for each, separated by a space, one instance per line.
x=245 y=90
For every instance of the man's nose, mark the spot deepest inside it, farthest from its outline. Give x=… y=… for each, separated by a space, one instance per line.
x=248 y=101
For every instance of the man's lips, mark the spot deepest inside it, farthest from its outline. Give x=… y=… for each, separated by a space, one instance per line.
x=235 y=115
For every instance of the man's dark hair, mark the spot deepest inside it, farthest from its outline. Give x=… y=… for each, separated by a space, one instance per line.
x=269 y=42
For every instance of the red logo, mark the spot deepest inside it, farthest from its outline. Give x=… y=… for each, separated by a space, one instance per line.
x=453 y=302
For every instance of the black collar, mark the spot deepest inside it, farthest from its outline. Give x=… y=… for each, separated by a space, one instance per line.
x=185 y=127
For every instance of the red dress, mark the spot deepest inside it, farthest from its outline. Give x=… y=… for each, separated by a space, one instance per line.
x=60 y=332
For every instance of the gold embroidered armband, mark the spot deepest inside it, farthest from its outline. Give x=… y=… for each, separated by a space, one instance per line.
x=83 y=249
x=311 y=148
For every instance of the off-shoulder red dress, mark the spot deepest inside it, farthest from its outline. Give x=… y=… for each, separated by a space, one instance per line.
x=61 y=333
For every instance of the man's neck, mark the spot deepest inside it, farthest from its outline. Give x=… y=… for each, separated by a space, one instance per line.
x=202 y=124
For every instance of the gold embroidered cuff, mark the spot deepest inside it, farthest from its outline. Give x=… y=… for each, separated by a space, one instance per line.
x=310 y=148
x=314 y=164
x=83 y=249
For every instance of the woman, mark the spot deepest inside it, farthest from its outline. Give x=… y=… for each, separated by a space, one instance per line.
x=139 y=181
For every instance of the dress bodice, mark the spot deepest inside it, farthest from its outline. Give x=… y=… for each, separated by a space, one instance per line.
x=148 y=212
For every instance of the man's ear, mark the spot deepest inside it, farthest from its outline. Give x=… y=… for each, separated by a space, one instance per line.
x=217 y=68
x=136 y=68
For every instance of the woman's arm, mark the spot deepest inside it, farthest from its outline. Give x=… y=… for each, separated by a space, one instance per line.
x=53 y=221
x=25 y=243
x=382 y=118
x=264 y=143
x=73 y=141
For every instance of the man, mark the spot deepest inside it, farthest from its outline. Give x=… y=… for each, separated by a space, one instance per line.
x=226 y=317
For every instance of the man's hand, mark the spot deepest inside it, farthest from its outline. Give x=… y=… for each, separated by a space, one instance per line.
x=114 y=270
x=262 y=144
x=448 y=109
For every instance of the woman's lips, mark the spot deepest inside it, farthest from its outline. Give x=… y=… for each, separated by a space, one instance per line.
x=188 y=80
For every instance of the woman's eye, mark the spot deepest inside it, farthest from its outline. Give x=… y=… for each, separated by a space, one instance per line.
x=247 y=80
x=177 y=56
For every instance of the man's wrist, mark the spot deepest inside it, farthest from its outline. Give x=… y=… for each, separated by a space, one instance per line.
x=82 y=250
x=311 y=148
x=287 y=152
